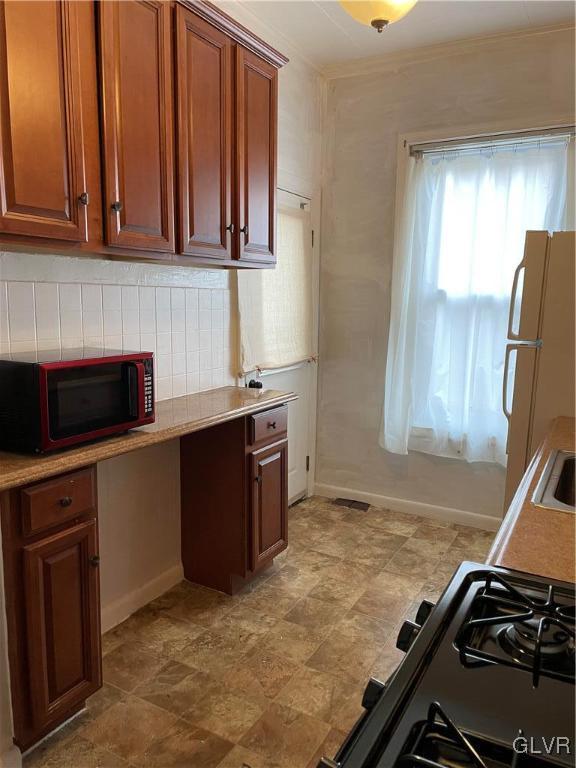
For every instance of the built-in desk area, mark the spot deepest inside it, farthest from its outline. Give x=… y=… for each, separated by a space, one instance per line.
x=233 y=470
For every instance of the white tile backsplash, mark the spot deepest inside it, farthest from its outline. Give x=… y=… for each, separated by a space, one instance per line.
x=174 y=322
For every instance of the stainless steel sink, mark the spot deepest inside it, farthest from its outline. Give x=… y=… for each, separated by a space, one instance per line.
x=555 y=489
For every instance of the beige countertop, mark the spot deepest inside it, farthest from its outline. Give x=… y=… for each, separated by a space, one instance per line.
x=174 y=418
x=533 y=539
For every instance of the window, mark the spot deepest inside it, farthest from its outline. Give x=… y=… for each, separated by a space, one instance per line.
x=460 y=236
x=275 y=305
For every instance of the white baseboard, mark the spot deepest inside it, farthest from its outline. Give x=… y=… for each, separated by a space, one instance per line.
x=11 y=758
x=126 y=605
x=460 y=516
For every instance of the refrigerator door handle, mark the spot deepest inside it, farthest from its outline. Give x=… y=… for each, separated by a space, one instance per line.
x=511 y=334
x=536 y=344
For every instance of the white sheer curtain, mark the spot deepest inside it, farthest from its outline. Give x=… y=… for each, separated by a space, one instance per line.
x=461 y=234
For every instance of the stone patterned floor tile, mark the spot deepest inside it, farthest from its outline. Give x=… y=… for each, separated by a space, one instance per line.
x=202 y=607
x=341 y=656
x=412 y=564
x=185 y=746
x=262 y=675
x=293 y=641
x=243 y=621
x=240 y=757
x=333 y=699
x=286 y=736
x=215 y=654
x=224 y=713
x=295 y=582
x=270 y=600
x=176 y=687
x=313 y=613
x=79 y=753
x=329 y=747
x=129 y=727
x=130 y=664
x=338 y=591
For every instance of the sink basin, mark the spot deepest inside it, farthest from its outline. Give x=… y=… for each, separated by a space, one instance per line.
x=555 y=489
x=565 y=487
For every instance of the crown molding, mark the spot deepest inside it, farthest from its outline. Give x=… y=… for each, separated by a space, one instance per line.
x=230 y=26
x=392 y=61
x=238 y=11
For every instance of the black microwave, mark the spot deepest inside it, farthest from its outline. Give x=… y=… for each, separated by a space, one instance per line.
x=51 y=400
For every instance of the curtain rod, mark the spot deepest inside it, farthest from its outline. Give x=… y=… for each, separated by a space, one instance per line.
x=488 y=140
x=295 y=194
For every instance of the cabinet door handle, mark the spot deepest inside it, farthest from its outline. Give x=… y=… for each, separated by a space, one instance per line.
x=83 y=199
x=116 y=206
x=65 y=501
x=230 y=228
x=271 y=425
x=95 y=561
x=244 y=230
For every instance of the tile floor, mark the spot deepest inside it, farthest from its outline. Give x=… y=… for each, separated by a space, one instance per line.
x=273 y=677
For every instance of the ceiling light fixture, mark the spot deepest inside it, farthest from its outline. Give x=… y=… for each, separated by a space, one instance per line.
x=377 y=13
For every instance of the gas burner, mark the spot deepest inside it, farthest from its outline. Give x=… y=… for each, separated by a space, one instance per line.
x=508 y=626
x=438 y=742
x=520 y=640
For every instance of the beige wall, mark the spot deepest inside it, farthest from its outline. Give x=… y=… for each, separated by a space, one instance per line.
x=524 y=79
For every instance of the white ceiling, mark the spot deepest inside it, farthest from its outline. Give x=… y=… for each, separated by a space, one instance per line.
x=327 y=36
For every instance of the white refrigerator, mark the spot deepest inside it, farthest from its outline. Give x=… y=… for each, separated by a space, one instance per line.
x=539 y=378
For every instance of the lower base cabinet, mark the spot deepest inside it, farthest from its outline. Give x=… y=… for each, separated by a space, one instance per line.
x=52 y=600
x=268 y=503
x=234 y=503
x=234 y=498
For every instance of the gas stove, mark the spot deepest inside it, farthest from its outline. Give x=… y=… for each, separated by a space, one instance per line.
x=487 y=681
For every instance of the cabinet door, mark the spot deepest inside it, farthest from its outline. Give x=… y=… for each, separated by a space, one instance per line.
x=137 y=123
x=41 y=142
x=62 y=620
x=256 y=126
x=204 y=86
x=269 y=469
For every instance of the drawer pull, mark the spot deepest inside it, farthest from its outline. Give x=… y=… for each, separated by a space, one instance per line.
x=271 y=425
x=65 y=501
x=95 y=561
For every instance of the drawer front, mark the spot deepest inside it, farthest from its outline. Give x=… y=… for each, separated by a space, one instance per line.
x=269 y=425
x=53 y=502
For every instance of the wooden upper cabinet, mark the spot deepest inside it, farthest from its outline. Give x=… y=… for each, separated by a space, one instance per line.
x=42 y=182
x=204 y=88
x=136 y=71
x=62 y=621
x=256 y=127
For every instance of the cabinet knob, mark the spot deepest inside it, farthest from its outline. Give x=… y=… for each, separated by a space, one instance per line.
x=244 y=230
x=116 y=206
x=230 y=228
x=83 y=199
x=95 y=561
x=65 y=501
x=258 y=479
x=271 y=425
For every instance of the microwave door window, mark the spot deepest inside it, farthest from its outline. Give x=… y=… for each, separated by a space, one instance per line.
x=88 y=398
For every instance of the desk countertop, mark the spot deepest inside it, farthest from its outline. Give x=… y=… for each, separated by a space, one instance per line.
x=534 y=539
x=174 y=418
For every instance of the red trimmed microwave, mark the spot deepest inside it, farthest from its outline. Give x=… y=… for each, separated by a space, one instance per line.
x=51 y=400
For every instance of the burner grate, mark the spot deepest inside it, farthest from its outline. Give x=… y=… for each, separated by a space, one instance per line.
x=439 y=743
x=531 y=633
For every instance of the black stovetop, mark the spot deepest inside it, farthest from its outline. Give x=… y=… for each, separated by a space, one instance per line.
x=493 y=663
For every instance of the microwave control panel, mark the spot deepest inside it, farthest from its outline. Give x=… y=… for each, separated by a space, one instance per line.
x=148 y=388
